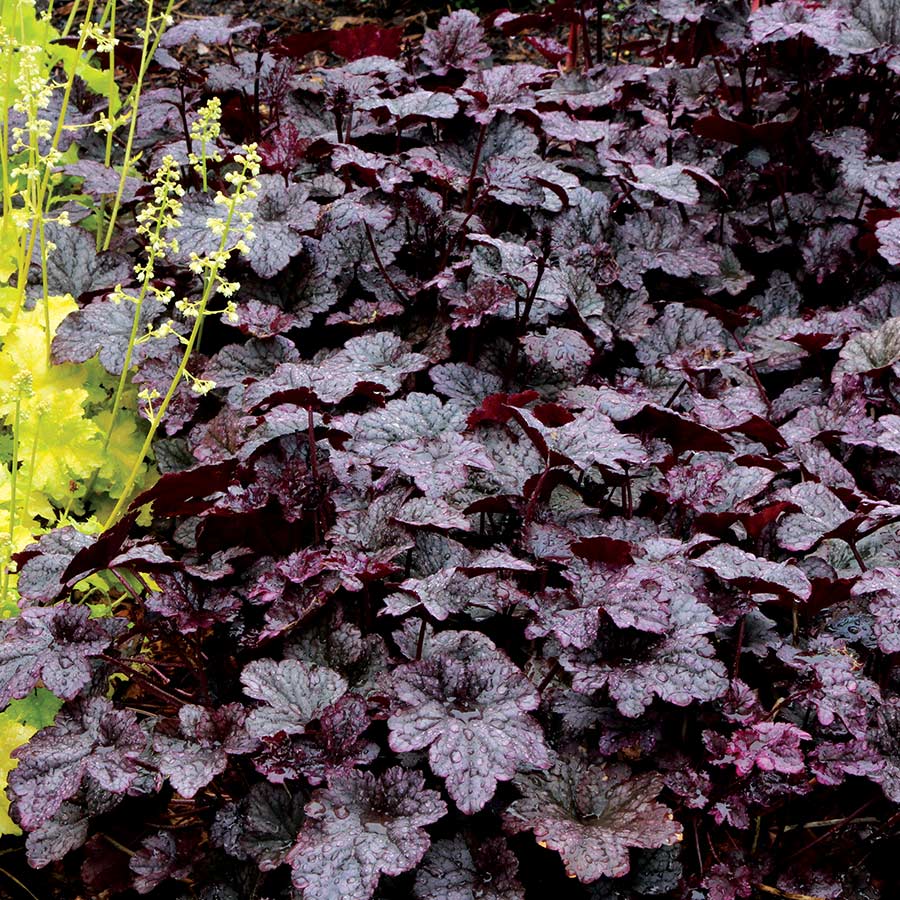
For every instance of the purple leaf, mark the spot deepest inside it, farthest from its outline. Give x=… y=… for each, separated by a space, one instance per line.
x=563 y=127
x=341 y=646
x=682 y=335
x=207 y=30
x=190 y=603
x=589 y=439
x=432 y=512
x=484 y=298
x=888 y=233
x=335 y=748
x=263 y=826
x=830 y=27
x=361 y=826
x=193 y=756
x=419 y=106
x=488 y=92
x=418 y=437
x=473 y=717
x=753 y=573
x=668 y=182
x=102 y=328
x=75 y=267
x=889 y=438
x=678 y=667
x=880 y=589
x=592 y=815
x=98 y=180
x=90 y=738
x=42 y=564
x=280 y=214
x=52 y=645
x=454 y=870
x=561 y=349
x=457 y=43
x=64 y=832
x=528 y=182
x=284 y=148
x=830 y=681
x=821 y=514
x=294 y=692
x=68 y=828
x=870 y=351
x=255 y=359
x=156 y=861
x=447 y=592
x=633 y=597
x=659 y=240
x=767 y=746
x=376 y=359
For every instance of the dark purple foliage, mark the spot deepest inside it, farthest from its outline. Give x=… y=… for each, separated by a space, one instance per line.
x=539 y=537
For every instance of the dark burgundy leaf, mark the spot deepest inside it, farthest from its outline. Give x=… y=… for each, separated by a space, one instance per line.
x=367 y=40
x=284 y=149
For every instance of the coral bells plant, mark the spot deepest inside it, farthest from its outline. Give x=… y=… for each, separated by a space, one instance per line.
x=470 y=469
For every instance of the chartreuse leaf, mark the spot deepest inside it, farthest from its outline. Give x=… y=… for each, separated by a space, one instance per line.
x=12 y=734
x=20 y=20
x=58 y=443
x=9 y=245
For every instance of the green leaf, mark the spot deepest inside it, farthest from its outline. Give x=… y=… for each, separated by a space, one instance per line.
x=37 y=710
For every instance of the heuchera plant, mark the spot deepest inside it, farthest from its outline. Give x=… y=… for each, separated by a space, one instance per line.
x=533 y=528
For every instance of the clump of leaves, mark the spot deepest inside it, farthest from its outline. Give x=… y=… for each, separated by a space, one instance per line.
x=535 y=531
